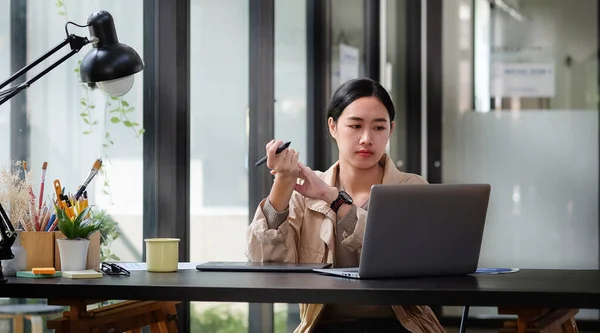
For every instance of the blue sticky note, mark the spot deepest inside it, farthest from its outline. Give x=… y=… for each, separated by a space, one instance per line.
x=496 y=270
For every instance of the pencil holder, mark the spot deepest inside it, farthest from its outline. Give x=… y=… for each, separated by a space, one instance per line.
x=39 y=246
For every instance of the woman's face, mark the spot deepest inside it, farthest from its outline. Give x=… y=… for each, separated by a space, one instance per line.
x=362 y=132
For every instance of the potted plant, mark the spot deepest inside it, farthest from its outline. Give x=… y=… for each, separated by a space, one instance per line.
x=77 y=231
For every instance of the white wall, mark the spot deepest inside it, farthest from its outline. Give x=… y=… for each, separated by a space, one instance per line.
x=542 y=163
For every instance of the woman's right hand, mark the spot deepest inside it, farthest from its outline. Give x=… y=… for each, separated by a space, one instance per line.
x=283 y=165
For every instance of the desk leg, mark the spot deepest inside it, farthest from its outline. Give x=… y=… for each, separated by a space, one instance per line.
x=540 y=320
x=18 y=326
x=125 y=316
x=37 y=324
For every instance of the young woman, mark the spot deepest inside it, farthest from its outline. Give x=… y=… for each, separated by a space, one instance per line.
x=316 y=217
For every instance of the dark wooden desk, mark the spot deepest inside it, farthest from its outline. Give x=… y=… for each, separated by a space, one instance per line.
x=527 y=289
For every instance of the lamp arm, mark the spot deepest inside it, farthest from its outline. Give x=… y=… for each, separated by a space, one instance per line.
x=76 y=44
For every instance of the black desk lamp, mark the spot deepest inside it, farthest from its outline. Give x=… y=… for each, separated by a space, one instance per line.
x=110 y=65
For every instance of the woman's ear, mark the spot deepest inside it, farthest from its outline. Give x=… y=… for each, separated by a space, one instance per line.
x=392 y=126
x=332 y=127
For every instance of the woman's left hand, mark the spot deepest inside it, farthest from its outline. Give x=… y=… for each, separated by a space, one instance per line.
x=313 y=186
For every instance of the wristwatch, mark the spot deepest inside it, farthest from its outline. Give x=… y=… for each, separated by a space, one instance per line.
x=343 y=198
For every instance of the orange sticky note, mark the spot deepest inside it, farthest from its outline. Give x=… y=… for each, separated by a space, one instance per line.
x=43 y=270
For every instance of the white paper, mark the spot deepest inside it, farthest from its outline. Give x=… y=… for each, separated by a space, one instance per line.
x=349 y=63
x=522 y=80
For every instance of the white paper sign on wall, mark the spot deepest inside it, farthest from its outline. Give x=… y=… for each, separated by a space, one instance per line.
x=349 y=63
x=522 y=80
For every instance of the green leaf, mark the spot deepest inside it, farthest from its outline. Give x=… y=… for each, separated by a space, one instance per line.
x=141 y=131
x=64 y=223
x=130 y=123
x=86 y=132
x=124 y=103
x=104 y=145
x=76 y=70
x=92 y=106
x=66 y=228
x=86 y=121
x=95 y=122
x=114 y=98
x=80 y=227
x=83 y=114
x=114 y=111
x=81 y=215
x=61 y=13
x=129 y=110
x=115 y=120
x=88 y=227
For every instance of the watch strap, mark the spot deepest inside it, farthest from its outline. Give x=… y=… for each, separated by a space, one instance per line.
x=342 y=198
x=337 y=203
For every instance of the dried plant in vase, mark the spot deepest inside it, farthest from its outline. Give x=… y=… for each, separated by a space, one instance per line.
x=17 y=196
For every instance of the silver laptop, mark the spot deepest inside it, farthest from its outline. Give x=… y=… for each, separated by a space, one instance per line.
x=421 y=230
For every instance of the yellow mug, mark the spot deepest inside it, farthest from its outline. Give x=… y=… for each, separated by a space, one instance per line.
x=162 y=254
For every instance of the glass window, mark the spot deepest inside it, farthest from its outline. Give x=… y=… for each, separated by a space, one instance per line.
x=290 y=73
x=71 y=126
x=347 y=52
x=219 y=148
x=290 y=105
x=533 y=130
x=347 y=38
x=393 y=72
x=4 y=74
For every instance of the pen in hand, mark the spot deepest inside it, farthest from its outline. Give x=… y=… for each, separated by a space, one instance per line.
x=279 y=150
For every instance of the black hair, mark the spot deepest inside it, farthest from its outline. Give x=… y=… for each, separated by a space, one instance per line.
x=354 y=89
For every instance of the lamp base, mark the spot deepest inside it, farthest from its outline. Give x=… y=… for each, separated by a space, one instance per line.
x=3 y=280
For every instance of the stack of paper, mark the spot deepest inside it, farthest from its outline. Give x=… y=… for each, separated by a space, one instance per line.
x=85 y=274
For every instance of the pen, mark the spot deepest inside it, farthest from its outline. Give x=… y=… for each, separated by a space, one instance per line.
x=59 y=193
x=279 y=150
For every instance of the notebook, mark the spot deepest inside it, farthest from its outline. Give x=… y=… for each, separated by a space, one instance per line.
x=29 y=274
x=85 y=274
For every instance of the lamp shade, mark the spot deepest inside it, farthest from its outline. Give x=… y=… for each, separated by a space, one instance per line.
x=109 y=63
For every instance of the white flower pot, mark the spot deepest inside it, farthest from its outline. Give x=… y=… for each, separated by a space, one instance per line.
x=73 y=253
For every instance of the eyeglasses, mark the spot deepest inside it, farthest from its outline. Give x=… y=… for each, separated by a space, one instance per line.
x=113 y=269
